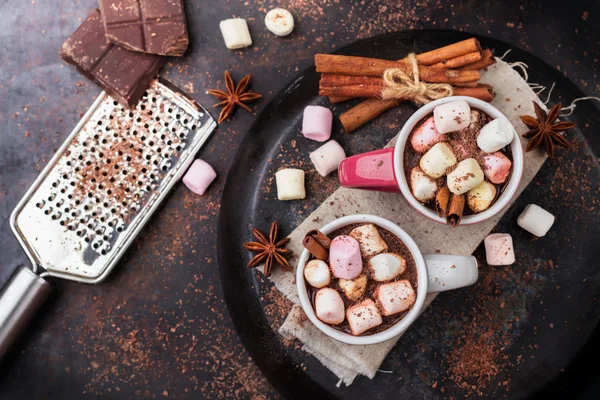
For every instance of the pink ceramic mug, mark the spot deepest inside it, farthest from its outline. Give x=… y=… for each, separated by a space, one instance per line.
x=383 y=170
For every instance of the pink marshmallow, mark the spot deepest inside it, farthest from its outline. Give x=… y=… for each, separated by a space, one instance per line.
x=316 y=124
x=199 y=177
x=499 y=249
x=344 y=257
x=425 y=136
x=496 y=167
x=327 y=157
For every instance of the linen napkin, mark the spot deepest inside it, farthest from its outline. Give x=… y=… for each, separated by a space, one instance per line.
x=514 y=98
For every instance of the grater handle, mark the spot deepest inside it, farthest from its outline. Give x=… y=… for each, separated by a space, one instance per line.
x=20 y=300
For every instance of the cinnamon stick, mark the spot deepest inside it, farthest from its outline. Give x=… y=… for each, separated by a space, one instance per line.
x=487 y=59
x=362 y=66
x=447 y=52
x=466 y=84
x=481 y=93
x=320 y=237
x=459 y=61
x=339 y=99
x=455 y=210
x=365 y=111
x=441 y=201
x=315 y=248
x=348 y=80
x=374 y=91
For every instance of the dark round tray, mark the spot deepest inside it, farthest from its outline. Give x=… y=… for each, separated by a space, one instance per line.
x=533 y=317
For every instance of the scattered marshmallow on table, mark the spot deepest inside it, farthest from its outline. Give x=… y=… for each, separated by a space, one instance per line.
x=199 y=177
x=453 y=116
x=395 y=297
x=344 y=257
x=369 y=240
x=316 y=123
x=363 y=316
x=354 y=288
x=386 y=266
x=317 y=273
x=279 y=21
x=235 y=33
x=422 y=186
x=480 y=198
x=290 y=184
x=496 y=167
x=329 y=306
x=466 y=176
x=499 y=249
x=495 y=135
x=535 y=220
x=437 y=160
x=425 y=136
x=327 y=157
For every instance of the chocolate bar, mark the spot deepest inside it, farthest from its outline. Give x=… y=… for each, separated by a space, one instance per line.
x=122 y=73
x=149 y=26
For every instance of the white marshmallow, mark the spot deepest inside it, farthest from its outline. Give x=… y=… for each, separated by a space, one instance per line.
x=499 y=249
x=327 y=157
x=354 y=288
x=329 y=306
x=386 y=266
x=422 y=186
x=495 y=135
x=279 y=21
x=480 y=198
x=453 y=116
x=363 y=316
x=437 y=160
x=290 y=184
x=466 y=176
x=317 y=273
x=395 y=297
x=535 y=220
x=369 y=239
x=235 y=33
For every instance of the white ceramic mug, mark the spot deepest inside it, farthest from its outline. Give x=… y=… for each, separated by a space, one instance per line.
x=383 y=170
x=435 y=273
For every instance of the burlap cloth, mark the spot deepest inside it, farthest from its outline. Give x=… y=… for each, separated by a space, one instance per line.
x=514 y=98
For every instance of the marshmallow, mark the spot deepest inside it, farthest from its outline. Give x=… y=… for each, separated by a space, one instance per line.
x=199 y=177
x=386 y=266
x=279 y=21
x=316 y=273
x=344 y=257
x=495 y=135
x=329 y=306
x=535 y=220
x=395 y=297
x=363 y=316
x=327 y=157
x=316 y=123
x=425 y=136
x=466 y=176
x=499 y=249
x=496 y=167
x=480 y=198
x=369 y=239
x=453 y=116
x=290 y=184
x=422 y=186
x=437 y=160
x=235 y=33
x=354 y=288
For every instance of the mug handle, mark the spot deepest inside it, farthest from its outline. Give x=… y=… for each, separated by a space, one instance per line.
x=447 y=272
x=370 y=171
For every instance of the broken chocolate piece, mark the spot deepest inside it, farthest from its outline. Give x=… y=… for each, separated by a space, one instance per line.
x=123 y=74
x=149 y=26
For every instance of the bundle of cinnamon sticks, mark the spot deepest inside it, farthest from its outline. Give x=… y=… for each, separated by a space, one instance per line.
x=346 y=77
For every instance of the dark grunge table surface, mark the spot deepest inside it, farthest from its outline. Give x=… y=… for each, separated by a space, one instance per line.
x=158 y=327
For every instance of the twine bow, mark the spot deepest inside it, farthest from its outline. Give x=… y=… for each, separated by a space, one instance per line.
x=399 y=85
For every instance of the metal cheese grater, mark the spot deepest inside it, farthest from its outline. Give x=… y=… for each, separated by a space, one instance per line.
x=97 y=192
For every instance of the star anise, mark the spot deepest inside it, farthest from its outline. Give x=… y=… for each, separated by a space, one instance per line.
x=236 y=95
x=545 y=130
x=270 y=250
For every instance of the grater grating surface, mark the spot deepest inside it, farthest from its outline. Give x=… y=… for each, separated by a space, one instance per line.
x=105 y=181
